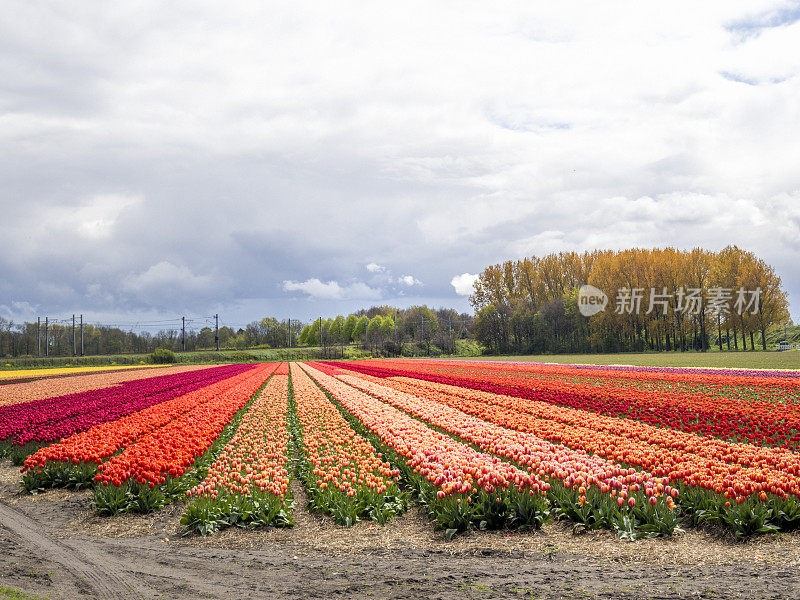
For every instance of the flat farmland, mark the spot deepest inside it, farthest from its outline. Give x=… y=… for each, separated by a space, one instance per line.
x=788 y=360
x=405 y=478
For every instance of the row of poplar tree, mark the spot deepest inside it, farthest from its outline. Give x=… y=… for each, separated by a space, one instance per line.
x=531 y=305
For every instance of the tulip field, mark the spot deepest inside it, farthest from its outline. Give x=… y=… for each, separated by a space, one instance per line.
x=643 y=452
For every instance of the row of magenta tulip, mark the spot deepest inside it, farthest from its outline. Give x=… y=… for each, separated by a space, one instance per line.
x=99 y=443
x=51 y=419
x=19 y=392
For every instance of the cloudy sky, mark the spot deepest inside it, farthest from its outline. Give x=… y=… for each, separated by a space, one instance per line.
x=300 y=159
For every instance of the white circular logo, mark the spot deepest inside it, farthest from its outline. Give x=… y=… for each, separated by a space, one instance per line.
x=591 y=300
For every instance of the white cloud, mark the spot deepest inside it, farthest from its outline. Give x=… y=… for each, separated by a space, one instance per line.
x=463 y=283
x=375 y=268
x=361 y=291
x=331 y=290
x=24 y=307
x=408 y=280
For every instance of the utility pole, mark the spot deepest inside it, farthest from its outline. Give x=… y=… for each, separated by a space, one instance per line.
x=38 y=336
x=81 y=335
x=290 y=333
x=74 y=342
x=450 y=333
x=216 y=331
x=183 y=333
x=46 y=339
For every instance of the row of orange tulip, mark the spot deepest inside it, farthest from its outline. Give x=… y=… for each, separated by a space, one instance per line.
x=735 y=470
x=167 y=452
x=338 y=456
x=574 y=467
x=255 y=458
x=101 y=441
x=452 y=467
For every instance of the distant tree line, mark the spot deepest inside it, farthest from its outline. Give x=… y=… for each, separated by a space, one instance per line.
x=659 y=299
x=388 y=330
x=21 y=339
x=381 y=330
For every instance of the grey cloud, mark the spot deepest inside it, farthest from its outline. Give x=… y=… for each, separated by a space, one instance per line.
x=266 y=145
x=782 y=15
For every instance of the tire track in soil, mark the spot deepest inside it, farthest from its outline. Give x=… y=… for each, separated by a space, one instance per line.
x=104 y=577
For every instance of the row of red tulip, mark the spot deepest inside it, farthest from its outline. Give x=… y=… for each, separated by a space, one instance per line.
x=718 y=379
x=168 y=451
x=723 y=390
x=102 y=441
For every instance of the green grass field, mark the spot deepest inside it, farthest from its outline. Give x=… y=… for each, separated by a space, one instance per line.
x=199 y=357
x=731 y=360
x=7 y=593
x=734 y=360
x=351 y=351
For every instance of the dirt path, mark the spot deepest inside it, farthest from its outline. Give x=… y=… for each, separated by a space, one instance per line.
x=185 y=572
x=103 y=576
x=53 y=546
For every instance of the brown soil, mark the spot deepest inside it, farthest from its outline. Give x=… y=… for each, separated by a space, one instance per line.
x=54 y=546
